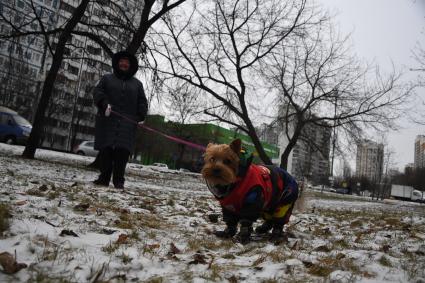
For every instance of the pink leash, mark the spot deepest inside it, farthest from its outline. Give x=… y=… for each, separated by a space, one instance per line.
x=175 y=139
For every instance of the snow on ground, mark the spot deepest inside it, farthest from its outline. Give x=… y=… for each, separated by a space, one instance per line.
x=159 y=230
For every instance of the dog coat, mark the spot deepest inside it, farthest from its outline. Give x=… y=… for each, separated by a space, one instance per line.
x=256 y=176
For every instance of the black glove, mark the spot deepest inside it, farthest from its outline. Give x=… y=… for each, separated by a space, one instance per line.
x=244 y=236
x=229 y=232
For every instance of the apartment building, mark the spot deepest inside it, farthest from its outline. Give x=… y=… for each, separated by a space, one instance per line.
x=419 y=158
x=310 y=156
x=369 y=160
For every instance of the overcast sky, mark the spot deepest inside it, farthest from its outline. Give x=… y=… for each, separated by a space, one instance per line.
x=386 y=32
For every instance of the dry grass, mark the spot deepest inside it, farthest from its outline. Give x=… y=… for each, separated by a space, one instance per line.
x=5 y=215
x=208 y=242
x=385 y=261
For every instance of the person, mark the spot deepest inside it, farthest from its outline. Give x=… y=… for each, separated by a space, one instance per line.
x=121 y=102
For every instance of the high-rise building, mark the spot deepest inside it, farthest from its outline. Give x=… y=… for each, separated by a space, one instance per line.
x=369 y=160
x=310 y=156
x=24 y=62
x=419 y=161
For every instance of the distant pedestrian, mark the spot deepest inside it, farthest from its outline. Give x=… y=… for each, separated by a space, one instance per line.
x=119 y=92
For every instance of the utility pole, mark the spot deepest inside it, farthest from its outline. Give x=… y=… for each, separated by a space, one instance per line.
x=331 y=178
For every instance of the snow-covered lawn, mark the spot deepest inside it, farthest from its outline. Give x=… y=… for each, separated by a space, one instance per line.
x=159 y=230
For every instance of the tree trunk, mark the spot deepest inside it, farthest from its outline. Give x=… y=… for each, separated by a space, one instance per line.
x=292 y=142
x=34 y=138
x=139 y=36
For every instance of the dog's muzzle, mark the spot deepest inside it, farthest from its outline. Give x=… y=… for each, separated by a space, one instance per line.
x=219 y=191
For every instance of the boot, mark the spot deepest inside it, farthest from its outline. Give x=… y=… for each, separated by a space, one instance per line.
x=227 y=233
x=264 y=228
x=100 y=182
x=244 y=236
x=278 y=235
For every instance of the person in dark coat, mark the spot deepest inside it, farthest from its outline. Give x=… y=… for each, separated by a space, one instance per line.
x=119 y=92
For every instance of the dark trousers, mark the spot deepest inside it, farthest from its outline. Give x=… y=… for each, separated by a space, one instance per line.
x=113 y=162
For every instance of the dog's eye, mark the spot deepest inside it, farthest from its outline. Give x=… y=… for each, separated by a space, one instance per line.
x=212 y=159
x=227 y=161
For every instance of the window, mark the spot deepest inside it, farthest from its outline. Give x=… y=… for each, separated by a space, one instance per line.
x=93 y=50
x=20 y=4
x=66 y=7
x=55 y=3
x=73 y=70
x=17 y=19
x=5 y=118
x=28 y=55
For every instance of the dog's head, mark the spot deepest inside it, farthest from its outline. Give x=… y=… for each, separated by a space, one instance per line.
x=221 y=163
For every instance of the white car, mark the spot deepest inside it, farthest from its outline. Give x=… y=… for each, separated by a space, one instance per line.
x=86 y=148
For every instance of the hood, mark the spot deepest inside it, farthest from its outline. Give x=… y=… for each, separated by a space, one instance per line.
x=134 y=65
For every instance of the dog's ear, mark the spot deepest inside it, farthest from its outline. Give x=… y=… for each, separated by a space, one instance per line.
x=210 y=144
x=235 y=145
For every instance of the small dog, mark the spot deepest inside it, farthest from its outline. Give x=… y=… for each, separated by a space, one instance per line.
x=247 y=191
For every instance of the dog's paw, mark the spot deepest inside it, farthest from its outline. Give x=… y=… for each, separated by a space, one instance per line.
x=243 y=239
x=227 y=233
x=222 y=234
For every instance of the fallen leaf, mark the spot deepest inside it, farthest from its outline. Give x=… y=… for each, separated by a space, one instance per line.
x=43 y=188
x=82 y=207
x=386 y=248
x=68 y=233
x=295 y=246
x=22 y=202
x=9 y=263
x=153 y=246
x=198 y=259
x=322 y=249
x=108 y=231
x=213 y=217
x=307 y=264
x=174 y=249
x=233 y=279
x=124 y=210
x=122 y=239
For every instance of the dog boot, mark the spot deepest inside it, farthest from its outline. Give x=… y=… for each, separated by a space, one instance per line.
x=264 y=228
x=278 y=236
x=244 y=236
x=229 y=232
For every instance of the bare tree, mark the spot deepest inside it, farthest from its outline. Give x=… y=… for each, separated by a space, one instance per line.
x=182 y=100
x=120 y=24
x=320 y=83
x=218 y=48
x=58 y=54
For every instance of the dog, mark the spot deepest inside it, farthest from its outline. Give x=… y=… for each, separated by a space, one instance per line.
x=247 y=192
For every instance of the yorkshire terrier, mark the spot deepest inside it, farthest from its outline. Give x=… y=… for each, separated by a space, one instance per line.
x=247 y=192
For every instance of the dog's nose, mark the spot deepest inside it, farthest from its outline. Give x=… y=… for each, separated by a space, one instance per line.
x=216 y=171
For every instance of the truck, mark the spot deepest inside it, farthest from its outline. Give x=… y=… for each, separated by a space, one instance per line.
x=406 y=193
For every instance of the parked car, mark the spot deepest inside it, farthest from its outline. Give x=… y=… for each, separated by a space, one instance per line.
x=86 y=148
x=14 y=129
x=343 y=191
x=161 y=165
